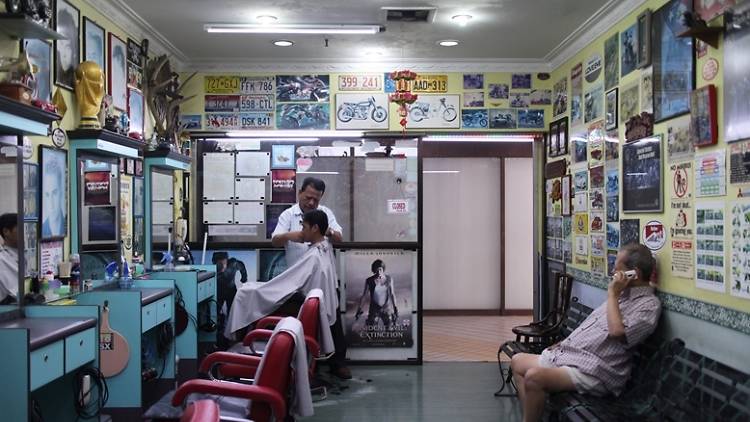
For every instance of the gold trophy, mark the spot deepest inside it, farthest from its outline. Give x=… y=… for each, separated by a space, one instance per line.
x=89 y=93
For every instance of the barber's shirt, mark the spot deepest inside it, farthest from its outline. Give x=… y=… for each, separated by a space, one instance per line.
x=291 y=220
x=590 y=349
x=8 y=272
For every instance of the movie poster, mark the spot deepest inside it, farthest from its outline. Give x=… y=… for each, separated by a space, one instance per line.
x=642 y=175
x=96 y=188
x=283 y=186
x=379 y=298
x=273 y=211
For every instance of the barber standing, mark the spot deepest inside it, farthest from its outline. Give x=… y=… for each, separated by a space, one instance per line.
x=288 y=233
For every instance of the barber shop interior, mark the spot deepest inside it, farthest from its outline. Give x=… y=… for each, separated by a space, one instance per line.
x=349 y=210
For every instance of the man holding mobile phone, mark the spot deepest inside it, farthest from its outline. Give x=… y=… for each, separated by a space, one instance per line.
x=596 y=357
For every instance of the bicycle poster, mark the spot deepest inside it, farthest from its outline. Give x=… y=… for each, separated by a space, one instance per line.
x=361 y=111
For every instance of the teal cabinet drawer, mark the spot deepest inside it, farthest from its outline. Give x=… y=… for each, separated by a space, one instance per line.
x=46 y=364
x=164 y=309
x=80 y=348
x=202 y=291
x=148 y=317
x=211 y=288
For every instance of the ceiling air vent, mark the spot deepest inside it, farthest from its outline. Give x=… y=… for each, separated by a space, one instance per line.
x=410 y=14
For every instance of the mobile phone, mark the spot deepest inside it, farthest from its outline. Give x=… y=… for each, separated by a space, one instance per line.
x=630 y=274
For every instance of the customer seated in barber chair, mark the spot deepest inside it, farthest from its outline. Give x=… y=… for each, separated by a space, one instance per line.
x=596 y=357
x=315 y=270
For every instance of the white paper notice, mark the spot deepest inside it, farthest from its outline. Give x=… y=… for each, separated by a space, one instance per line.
x=253 y=164
x=250 y=189
x=711 y=174
x=51 y=254
x=218 y=212
x=709 y=253
x=249 y=212
x=740 y=269
x=220 y=184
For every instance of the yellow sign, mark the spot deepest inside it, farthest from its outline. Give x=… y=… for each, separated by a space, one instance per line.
x=430 y=83
x=221 y=84
x=581 y=223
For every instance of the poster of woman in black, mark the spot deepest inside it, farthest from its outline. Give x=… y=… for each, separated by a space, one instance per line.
x=379 y=293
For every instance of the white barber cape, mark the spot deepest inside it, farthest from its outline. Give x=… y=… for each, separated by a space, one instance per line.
x=8 y=272
x=325 y=338
x=301 y=404
x=316 y=269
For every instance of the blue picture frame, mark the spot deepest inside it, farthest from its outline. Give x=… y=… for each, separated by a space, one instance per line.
x=283 y=157
x=673 y=60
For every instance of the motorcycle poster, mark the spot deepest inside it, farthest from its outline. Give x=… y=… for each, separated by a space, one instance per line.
x=434 y=112
x=474 y=119
x=302 y=88
x=361 y=111
x=503 y=118
x=303 y=116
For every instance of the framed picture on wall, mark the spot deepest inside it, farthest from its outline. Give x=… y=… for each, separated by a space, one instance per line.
x=134 y=53
x=30 y=192
x=67 y=50
x=93 y=43
x=642 y=187
x=558 y=138
x=673 y=60
x=30 y=252
x=736 y=70
x=610 y=110
x=567 y=182
x=40 y=56
x=135 y=110
x=54 y=215
x=644 y=39
x=704 y=129
x=117 y=76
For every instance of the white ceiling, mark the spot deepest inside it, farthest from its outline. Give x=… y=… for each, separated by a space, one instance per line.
x=501 y=30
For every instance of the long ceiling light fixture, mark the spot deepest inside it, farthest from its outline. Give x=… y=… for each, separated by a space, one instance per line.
x=241 y=28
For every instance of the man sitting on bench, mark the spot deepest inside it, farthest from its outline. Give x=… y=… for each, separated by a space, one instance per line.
x=596 y=357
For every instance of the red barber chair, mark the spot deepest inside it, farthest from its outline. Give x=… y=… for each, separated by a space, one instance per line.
x=271 y=388
x=201 y=411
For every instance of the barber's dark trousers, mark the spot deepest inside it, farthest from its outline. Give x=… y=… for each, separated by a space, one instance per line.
x=339 y=341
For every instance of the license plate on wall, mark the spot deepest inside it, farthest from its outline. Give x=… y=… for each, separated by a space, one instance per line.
x=215 y=103
x=222 y=121
x=360 y=82
x=257 y=103
x=256 y=120
x=221 y=84
x=423 y=83
x=257 y=84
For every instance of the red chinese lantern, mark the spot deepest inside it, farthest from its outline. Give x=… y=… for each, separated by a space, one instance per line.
x=403 y=95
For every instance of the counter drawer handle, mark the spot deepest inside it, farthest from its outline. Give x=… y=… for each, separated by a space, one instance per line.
x=46 y=358
x=80 y=343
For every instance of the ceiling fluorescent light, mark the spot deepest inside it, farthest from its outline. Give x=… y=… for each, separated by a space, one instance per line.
x=293 y=134
x=239 y=28
x=476 y=138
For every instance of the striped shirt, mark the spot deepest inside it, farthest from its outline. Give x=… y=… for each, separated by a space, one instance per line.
x=590 y=349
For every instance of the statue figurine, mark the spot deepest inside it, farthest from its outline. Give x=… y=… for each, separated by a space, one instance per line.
x=124 y=124
x=89 y=92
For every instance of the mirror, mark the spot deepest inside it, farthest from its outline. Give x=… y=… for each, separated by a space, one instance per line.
x=12 y=225
x=162 y=210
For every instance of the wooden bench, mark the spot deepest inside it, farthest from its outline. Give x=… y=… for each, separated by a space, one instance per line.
x=669 y=383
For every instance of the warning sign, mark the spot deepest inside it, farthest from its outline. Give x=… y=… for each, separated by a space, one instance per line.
x=681 y=183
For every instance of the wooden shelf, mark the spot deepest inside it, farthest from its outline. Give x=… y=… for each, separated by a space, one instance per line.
x=21 y=26
x=17 y=118
x=708 y=34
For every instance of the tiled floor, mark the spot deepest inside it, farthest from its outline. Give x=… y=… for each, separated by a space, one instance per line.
x=467 y=338
x=434 y=392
